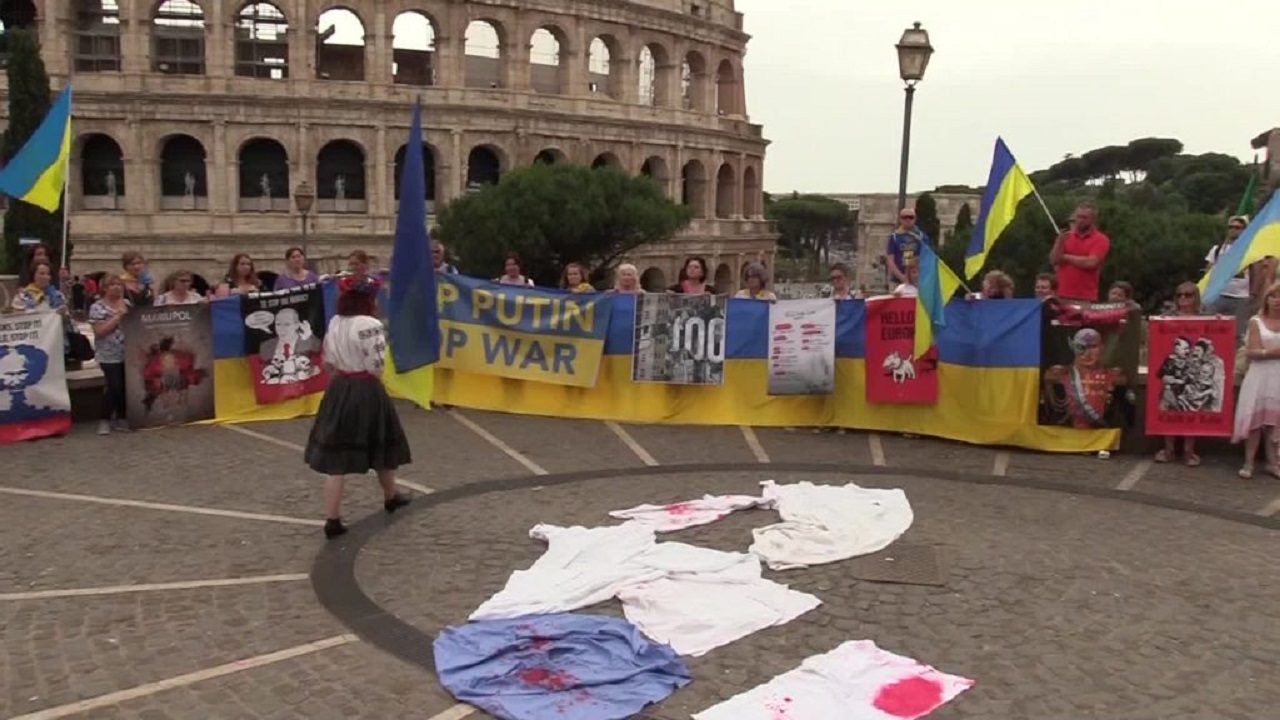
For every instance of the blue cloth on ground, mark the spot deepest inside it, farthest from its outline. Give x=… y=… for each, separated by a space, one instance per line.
x=564 y=666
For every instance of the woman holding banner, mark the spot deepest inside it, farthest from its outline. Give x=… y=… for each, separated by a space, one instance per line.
x=356 y=429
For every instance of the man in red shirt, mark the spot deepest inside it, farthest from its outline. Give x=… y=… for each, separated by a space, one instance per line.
x=1078 y=254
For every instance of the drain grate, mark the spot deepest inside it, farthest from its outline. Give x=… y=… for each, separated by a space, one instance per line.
x=902 y=565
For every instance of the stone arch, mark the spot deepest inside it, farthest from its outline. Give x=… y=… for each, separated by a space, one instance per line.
x=340 y=178
x=428 y=173
x=551 y=156
x=606 y=159
x=655 y=75
x=605 y=60
x=340 y=45
x=263 y=176
x=484 y=60
x=413 y=49
x=693 y=187
x=653 y=279
x=548 y=48
x=724 y=279
x=657 y=168
x=727 y=89
x=178 y=38
x=262 y=42
x=693 y=82
x=102 y=178
x=726 y=191
x=184 y=183
x=751 y=195
x=96 y=47
x=484 y=166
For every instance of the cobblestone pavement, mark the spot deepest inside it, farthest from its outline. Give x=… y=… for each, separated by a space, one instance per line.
x=187 y=550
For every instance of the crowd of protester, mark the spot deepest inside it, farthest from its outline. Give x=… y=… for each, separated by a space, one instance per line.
x=1077 y=258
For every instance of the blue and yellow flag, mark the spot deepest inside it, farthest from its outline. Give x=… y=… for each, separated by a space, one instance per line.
x=1007 y=185
x=413 y=315
x=1260 y=240
x=935 y=287
x=38 y=173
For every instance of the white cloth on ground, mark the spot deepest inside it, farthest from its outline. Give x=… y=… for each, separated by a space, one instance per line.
x=690 y=513
x=856 y=681
x=693 y=598
x=825 y=523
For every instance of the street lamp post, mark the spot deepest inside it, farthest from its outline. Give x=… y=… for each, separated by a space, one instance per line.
x=303 y=197
x=914 y=52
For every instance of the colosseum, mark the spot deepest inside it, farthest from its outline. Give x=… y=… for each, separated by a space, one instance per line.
x=202 y=126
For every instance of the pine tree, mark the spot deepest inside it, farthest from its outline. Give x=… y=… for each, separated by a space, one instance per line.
x=29 y=102
x=927 y=217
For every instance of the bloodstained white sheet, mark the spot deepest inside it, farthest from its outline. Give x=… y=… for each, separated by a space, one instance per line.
x=826 y=523
x=695 y=599
x=856 y=681
x=689 y=513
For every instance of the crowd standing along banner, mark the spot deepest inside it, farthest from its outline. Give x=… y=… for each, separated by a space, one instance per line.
x=168 y=365
x=284 y=342
x=894 y=374
x=802 y=347
x=1088 y=358
x=1189 y=383
x=34 y=401
x=988 y=382
x=522 y=332
x=679 y=339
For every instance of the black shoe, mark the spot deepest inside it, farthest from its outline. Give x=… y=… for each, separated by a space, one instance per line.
x=333 y=527
x=395 y=502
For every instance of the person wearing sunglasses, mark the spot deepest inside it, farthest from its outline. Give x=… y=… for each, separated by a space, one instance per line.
x=1235 y=298
x=904 y=246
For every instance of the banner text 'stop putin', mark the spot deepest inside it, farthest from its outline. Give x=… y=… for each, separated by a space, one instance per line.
x=523 y=309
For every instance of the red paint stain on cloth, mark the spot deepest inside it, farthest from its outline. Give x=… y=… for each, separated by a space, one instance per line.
x=909 y=698
x=680 y=508
x=555 y=680
x=779 y=710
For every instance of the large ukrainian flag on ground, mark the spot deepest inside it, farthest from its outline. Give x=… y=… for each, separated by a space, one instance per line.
x=38 y=173
x=1007 y=185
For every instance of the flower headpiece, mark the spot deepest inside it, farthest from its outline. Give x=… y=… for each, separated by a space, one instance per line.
x=360 y=284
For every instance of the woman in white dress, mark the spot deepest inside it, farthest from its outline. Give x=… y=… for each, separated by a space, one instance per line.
x=1258 y=408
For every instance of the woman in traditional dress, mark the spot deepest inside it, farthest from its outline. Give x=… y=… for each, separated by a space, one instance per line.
x=1258 y=406
x=357 y=428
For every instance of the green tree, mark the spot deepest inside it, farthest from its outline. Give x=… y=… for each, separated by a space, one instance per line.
x=927 y=217
x=29 y=102
x=552 y=215
x=809 y=224
x=953 y=252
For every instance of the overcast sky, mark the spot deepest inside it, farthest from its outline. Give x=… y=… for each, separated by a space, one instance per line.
x=1066 y=77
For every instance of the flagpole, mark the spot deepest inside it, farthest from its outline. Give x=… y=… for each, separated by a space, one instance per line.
x=1056 y=230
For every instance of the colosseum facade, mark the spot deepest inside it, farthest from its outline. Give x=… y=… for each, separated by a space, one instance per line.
x=197 y=120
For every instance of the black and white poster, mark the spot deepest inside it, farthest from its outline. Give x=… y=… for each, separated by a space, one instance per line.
x=284 y=342
x=679 y=339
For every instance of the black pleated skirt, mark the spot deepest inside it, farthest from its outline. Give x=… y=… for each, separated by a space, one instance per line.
x=356 y=430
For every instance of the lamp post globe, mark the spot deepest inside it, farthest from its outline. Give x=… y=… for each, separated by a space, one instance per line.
x=304 y=196
x=914 y=52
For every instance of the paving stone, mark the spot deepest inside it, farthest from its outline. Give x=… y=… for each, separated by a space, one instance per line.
x=1059 y=605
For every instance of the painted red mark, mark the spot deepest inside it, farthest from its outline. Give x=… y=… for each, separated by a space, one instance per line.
x=778 y=709
x=539 y=643
x=547 y=679
x=909 y=698
x=680 y=508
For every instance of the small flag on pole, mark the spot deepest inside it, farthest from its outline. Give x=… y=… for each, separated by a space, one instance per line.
x=1007 y=185
x=37 y=174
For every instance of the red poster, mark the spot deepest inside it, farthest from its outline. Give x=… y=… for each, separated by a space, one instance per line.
x=1190 y=375
x=894 y=374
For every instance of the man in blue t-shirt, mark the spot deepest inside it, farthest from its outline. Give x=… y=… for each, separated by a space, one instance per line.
x=904 y=246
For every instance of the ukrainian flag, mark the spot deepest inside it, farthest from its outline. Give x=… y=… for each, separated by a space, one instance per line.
x=38 y=173
x=934 y=288
x=1260 y=240
x=1007 y=185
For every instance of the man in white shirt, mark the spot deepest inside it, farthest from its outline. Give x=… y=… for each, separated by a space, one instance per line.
x=1234 y=300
